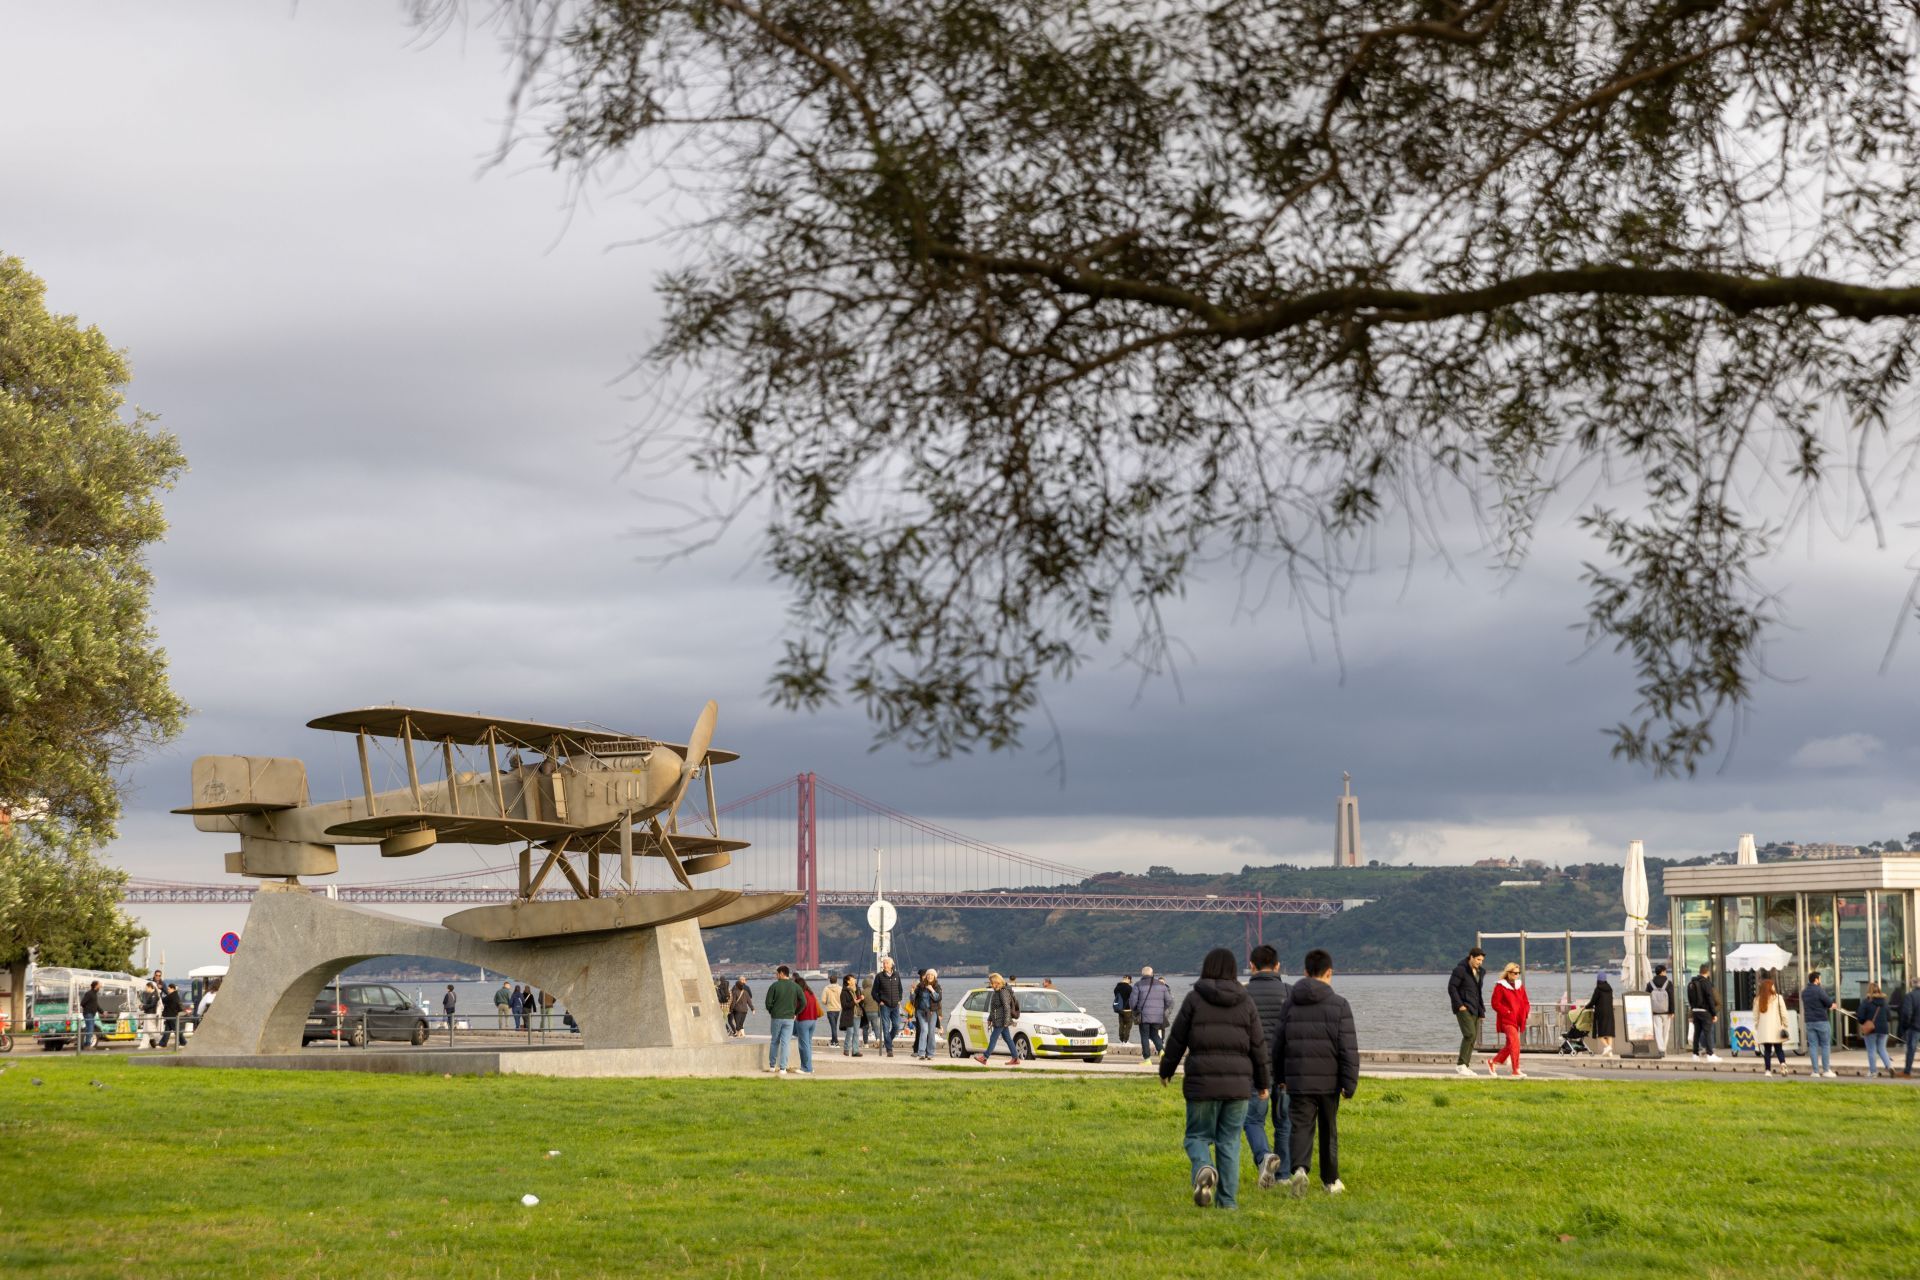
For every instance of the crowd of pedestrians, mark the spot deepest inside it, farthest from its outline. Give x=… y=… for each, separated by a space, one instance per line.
x=514 y=1005
x=1771 y=1027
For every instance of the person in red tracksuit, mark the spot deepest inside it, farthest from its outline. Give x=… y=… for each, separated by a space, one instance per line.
x=1510 y=1010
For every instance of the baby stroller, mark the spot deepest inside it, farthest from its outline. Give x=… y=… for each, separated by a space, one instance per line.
x=1574 y=1038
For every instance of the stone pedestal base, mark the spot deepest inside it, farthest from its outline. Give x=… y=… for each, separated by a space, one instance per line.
x=646 y=989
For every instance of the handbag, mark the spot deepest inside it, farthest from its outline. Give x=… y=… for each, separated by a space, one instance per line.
x=1866 y=1028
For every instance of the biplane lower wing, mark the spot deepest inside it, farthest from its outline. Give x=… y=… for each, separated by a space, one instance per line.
x=486 y=829
x=456 y=828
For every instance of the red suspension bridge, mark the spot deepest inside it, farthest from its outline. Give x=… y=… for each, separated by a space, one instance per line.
x=925 y=865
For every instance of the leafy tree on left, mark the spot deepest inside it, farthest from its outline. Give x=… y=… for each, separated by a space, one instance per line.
x=83 y=683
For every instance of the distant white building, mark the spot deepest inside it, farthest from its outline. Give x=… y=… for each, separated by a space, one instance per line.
x=1822 y=851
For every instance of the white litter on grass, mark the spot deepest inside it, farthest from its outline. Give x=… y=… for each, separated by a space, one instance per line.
x=529 y=1200
x=552 y=1154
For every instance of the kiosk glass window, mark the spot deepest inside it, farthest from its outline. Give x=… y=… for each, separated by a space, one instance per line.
x=1852 y=921
x=1783 y=931
x=1742 y=920
x=1820 y=940
x=1892 y=910
x=1696 y=932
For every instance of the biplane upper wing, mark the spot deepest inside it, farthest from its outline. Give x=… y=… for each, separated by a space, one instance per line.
x=471 y=730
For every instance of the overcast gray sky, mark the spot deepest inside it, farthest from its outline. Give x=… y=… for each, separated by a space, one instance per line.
x=396 y=373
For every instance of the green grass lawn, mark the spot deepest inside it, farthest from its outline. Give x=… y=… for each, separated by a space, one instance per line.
x=203 y=1173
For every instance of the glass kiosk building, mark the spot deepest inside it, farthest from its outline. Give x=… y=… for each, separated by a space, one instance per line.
x=1851 y=918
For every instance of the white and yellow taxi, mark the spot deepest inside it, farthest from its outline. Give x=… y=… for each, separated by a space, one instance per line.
x=1049 y=1026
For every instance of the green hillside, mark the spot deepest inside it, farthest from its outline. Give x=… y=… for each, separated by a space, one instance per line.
x=1418 y=920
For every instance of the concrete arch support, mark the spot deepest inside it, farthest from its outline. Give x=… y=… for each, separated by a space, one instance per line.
x=642 y=989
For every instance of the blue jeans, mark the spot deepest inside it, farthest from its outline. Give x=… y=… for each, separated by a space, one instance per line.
x=889 y=1025
x=89 y=1031
x=1213 y=1138
x=803 y=1032
x=1153 y=1039
x=850 y=1036
x=1256 y=1129
x=1908 y=1032
x=1820 y=1045
x=781 y=1042
x=1877 y=1044
x=1002 y=1034
x=923 y=1035
x=1283 y=1123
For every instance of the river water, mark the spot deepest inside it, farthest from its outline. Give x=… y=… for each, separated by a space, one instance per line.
x=1390 y=1011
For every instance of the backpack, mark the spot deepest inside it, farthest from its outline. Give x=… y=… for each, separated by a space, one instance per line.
x=1662 y=999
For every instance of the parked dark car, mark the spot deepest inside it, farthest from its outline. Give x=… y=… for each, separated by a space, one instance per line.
x=361 y=1011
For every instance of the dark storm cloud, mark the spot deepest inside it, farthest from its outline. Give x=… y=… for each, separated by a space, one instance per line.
x=397 y=377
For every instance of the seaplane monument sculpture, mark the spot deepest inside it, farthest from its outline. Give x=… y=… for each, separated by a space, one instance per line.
x=630 y=966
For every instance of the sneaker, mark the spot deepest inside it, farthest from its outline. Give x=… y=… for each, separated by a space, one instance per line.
x=980 y=1058
x=1203 y=1184
x=1463 y=1070
x=1713 y=1057
x=1298 y=1183
x=1518 y=1075
x=1336 y=1188
x=1013 y=1062
x=771 y=1068
x=781 y=1072
x=806 y=1071
x=1492 y=1072
x=1270 y=1170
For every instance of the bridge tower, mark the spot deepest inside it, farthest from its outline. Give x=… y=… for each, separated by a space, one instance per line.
x=806 y=922
x=1346 y=827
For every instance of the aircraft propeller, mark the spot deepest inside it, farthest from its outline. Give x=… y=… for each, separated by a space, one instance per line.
x=697 y=745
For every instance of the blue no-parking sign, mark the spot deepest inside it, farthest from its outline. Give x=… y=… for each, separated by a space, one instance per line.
x=229 y=942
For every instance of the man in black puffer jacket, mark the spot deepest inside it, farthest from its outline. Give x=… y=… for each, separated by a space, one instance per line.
x=1270 y=995
x=1468 y=1004
x=1218 y=1032
x=1318 y=1056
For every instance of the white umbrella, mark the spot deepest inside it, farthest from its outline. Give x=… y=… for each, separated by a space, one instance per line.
x=1748 y=856
x=1633 y=894
x=1749 y=956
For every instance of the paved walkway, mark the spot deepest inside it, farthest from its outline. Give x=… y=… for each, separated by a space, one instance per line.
x=1122 y=1061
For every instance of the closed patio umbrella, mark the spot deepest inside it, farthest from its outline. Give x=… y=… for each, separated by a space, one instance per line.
x=1633 y=895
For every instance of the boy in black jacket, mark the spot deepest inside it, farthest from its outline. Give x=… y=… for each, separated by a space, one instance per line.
x=1316 y=1052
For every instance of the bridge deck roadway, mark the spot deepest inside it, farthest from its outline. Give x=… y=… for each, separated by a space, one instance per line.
x=137 y=893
